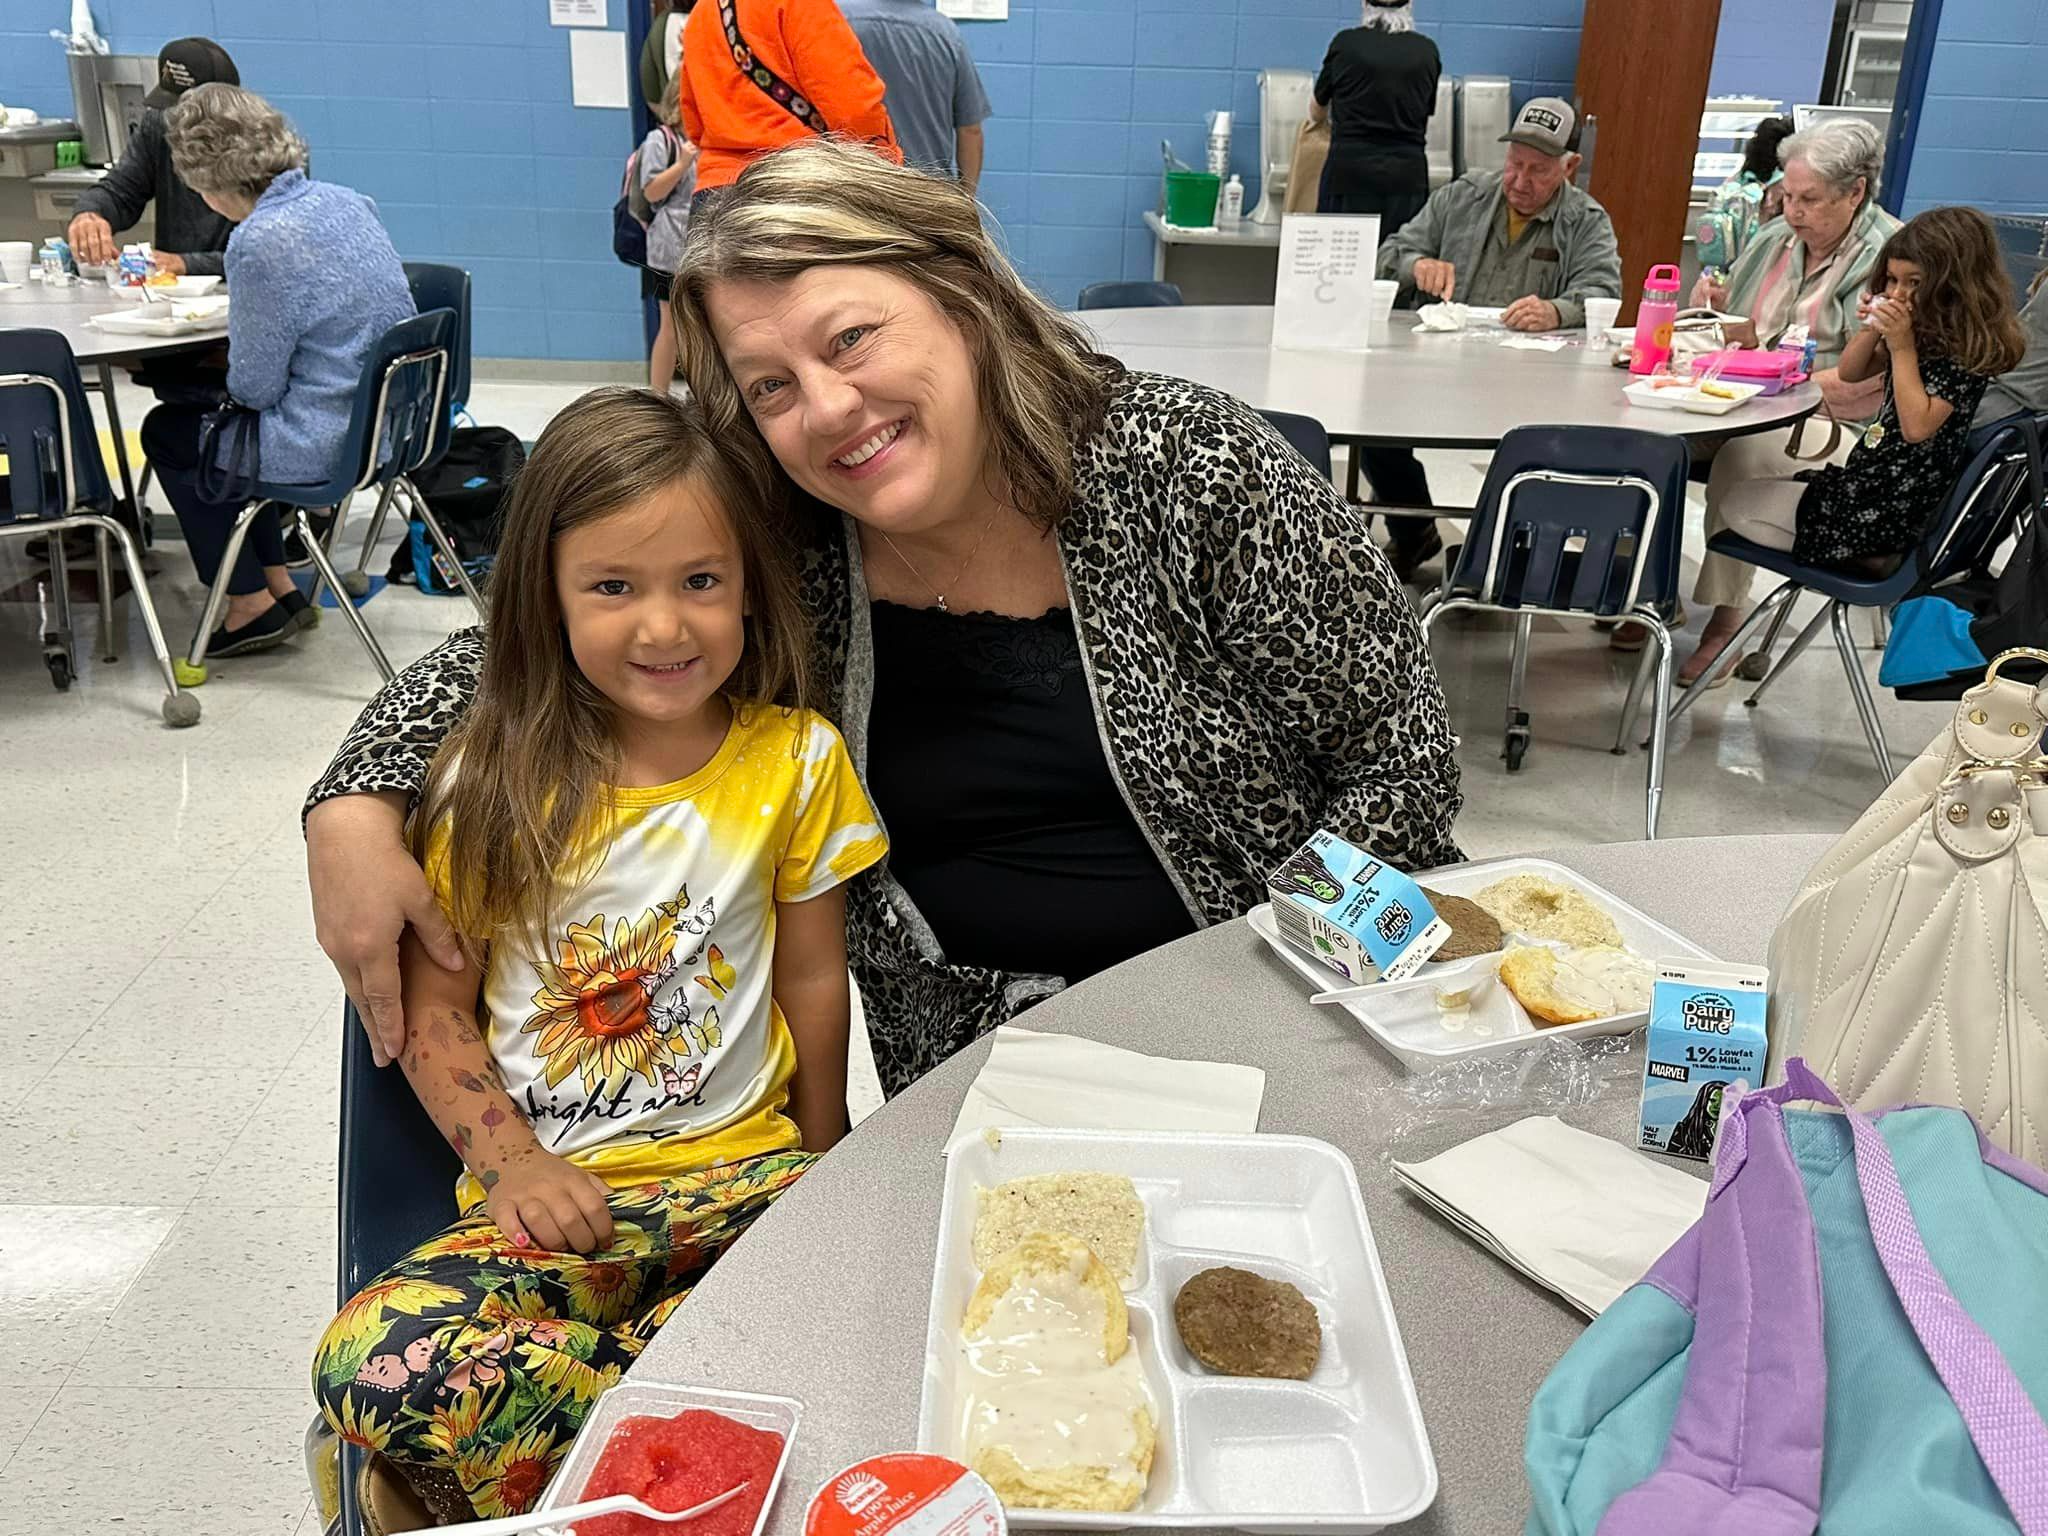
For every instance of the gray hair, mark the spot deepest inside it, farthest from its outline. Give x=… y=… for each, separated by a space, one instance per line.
x=231 y=142
x=1839 y=150
x=1387 y=18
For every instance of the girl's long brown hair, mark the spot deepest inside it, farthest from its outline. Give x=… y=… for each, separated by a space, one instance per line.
x=536 y=754
x=1964 y=308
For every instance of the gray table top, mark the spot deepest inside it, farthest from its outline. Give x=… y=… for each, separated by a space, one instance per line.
x=826 y=1299
x=32 y=306
x=1425 y=389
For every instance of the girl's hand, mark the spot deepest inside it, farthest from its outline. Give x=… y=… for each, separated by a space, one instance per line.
x=1863 y=306
x=1894 y=322
x=545 y=1202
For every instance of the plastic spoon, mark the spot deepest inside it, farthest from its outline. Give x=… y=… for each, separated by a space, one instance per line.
x=569 y=1514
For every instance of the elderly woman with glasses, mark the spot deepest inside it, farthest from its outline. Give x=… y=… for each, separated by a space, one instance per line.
x=1805 y=269
x=314 y=282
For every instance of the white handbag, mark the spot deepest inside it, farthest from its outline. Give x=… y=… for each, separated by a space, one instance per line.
x=1912 y=967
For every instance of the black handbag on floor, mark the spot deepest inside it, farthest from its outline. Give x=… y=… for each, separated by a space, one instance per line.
x=230 y=454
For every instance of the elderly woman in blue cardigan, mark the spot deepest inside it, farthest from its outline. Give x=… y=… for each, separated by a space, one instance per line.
x=314 y=283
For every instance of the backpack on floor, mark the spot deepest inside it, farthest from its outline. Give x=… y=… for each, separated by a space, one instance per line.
x=1848 y=1340
x=466 y=490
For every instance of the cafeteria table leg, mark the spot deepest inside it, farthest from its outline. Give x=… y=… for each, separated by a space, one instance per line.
x=1859 y=685
x=325 y=562
x=106 y=575
x=362 y=570
x=120 y=441
x=1806 y=637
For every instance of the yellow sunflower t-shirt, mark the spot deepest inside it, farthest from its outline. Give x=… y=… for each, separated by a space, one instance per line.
x=642 y=1038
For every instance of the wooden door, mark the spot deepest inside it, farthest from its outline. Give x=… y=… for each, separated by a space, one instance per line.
x=1643 y=67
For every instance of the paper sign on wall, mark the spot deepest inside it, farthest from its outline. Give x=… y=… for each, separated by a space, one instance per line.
x=1322 y=298
x=975 y=10
x=576 y=13
x=597 y=69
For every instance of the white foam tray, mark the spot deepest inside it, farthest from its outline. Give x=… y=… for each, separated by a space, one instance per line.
x=1344 y=1451
x=1403 y=1016
x=183 y=288
x=662 y=1400
x=1650 y=398
x=158 y=320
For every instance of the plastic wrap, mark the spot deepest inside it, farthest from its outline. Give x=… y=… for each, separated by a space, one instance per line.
x=1432 y=1109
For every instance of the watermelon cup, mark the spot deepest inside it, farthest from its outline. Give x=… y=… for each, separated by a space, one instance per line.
x=673 y=1447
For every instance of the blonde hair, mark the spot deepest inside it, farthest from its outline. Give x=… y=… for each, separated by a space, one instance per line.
x=230 y=142
x=536 y=752
x=828 y=202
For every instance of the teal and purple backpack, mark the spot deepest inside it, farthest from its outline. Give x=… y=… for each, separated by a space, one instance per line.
x=1853 y=1338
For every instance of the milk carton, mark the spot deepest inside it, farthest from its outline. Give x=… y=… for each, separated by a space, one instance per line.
x=1706 y=1039
x=1359 y=915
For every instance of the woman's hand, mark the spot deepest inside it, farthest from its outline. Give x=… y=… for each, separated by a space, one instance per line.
x=366 y=890
x=546 y=1202
x=1708 y=294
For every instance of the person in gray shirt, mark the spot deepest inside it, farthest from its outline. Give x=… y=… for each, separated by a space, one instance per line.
x=2026 y=387
x=934 y=96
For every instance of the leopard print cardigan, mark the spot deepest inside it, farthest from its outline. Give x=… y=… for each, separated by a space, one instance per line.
x=1255 y=668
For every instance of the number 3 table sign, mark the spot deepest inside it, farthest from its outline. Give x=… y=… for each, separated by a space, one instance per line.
x=1322 y=297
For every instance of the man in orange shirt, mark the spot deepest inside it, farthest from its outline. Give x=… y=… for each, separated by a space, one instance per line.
x=759 y=74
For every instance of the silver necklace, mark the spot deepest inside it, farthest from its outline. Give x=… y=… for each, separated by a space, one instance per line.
x=957 y=575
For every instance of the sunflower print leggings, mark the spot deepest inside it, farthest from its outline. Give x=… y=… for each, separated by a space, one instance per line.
x=474 y=1358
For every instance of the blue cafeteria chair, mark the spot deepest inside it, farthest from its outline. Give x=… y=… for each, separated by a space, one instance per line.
x=1579 y=523
x=57 y=481
x=399 y=423
x=2001 y=479
x=1130 y=296
x=1305 y=435
x=397 y=1189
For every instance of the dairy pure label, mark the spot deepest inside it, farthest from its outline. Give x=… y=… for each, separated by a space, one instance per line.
x=1360 y=916
x=1707 y=1040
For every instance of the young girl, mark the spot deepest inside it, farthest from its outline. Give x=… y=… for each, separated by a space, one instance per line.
x=643 y=847
x=668 y=171
x=1938 y=323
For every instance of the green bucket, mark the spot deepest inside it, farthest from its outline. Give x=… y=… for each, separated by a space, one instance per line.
x=1191 y=198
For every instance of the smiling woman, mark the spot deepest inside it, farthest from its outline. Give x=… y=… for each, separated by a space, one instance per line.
x=1104 y=648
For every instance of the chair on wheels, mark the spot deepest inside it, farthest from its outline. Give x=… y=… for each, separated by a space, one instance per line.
x=397 y=1189
x=1130 y=296
x=434 y=286
x=57 y=481
x=399 y=423
x=2001 y=478
x=1579 y=523
x=1305 y=435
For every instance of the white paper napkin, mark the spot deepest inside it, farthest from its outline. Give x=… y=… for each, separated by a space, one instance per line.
x=1577 y=1213
x=1032 y=1079
x=1535 y=343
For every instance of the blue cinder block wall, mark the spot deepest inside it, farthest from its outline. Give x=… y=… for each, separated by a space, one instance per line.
x=454 y=115
x=1984 y=133
x=1085 y=90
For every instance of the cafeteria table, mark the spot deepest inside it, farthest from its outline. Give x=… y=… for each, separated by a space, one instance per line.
x=826 y=1298
x=33 y=306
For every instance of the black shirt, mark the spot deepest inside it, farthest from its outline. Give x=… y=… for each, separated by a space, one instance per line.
x=1380 y=88
x=185 y=226
x=1005 y=824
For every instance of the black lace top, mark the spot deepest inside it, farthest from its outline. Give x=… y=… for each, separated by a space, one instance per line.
x=1005 y=824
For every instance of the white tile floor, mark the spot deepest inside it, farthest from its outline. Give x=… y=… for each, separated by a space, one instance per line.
x=170 y=1036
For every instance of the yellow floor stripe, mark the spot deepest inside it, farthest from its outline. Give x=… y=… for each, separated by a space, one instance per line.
x=134 y=440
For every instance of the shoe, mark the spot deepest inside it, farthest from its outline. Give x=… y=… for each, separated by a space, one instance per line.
x=296 y=555
x=269 y=629
x=1711 y=654
x=303 y=615
x=1407 y=559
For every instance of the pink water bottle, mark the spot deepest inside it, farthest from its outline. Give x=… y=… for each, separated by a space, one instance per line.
x=1654 y=320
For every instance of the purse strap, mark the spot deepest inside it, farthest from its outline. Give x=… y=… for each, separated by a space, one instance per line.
x=770 y=84
x=2003 y=1424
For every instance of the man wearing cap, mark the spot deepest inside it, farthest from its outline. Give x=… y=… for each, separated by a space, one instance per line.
x=190 y=237
x=1523 y=239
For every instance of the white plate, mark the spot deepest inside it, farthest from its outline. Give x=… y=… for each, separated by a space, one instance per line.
x=1645 y=394
x=654 y=1399
x=161 y=320
x=1403 y=1015
x=183 y=288
x=1345 y=1450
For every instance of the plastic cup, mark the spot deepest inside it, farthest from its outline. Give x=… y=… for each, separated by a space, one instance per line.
x=1384 y=292
x=16 y=257
x=1601 y=315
